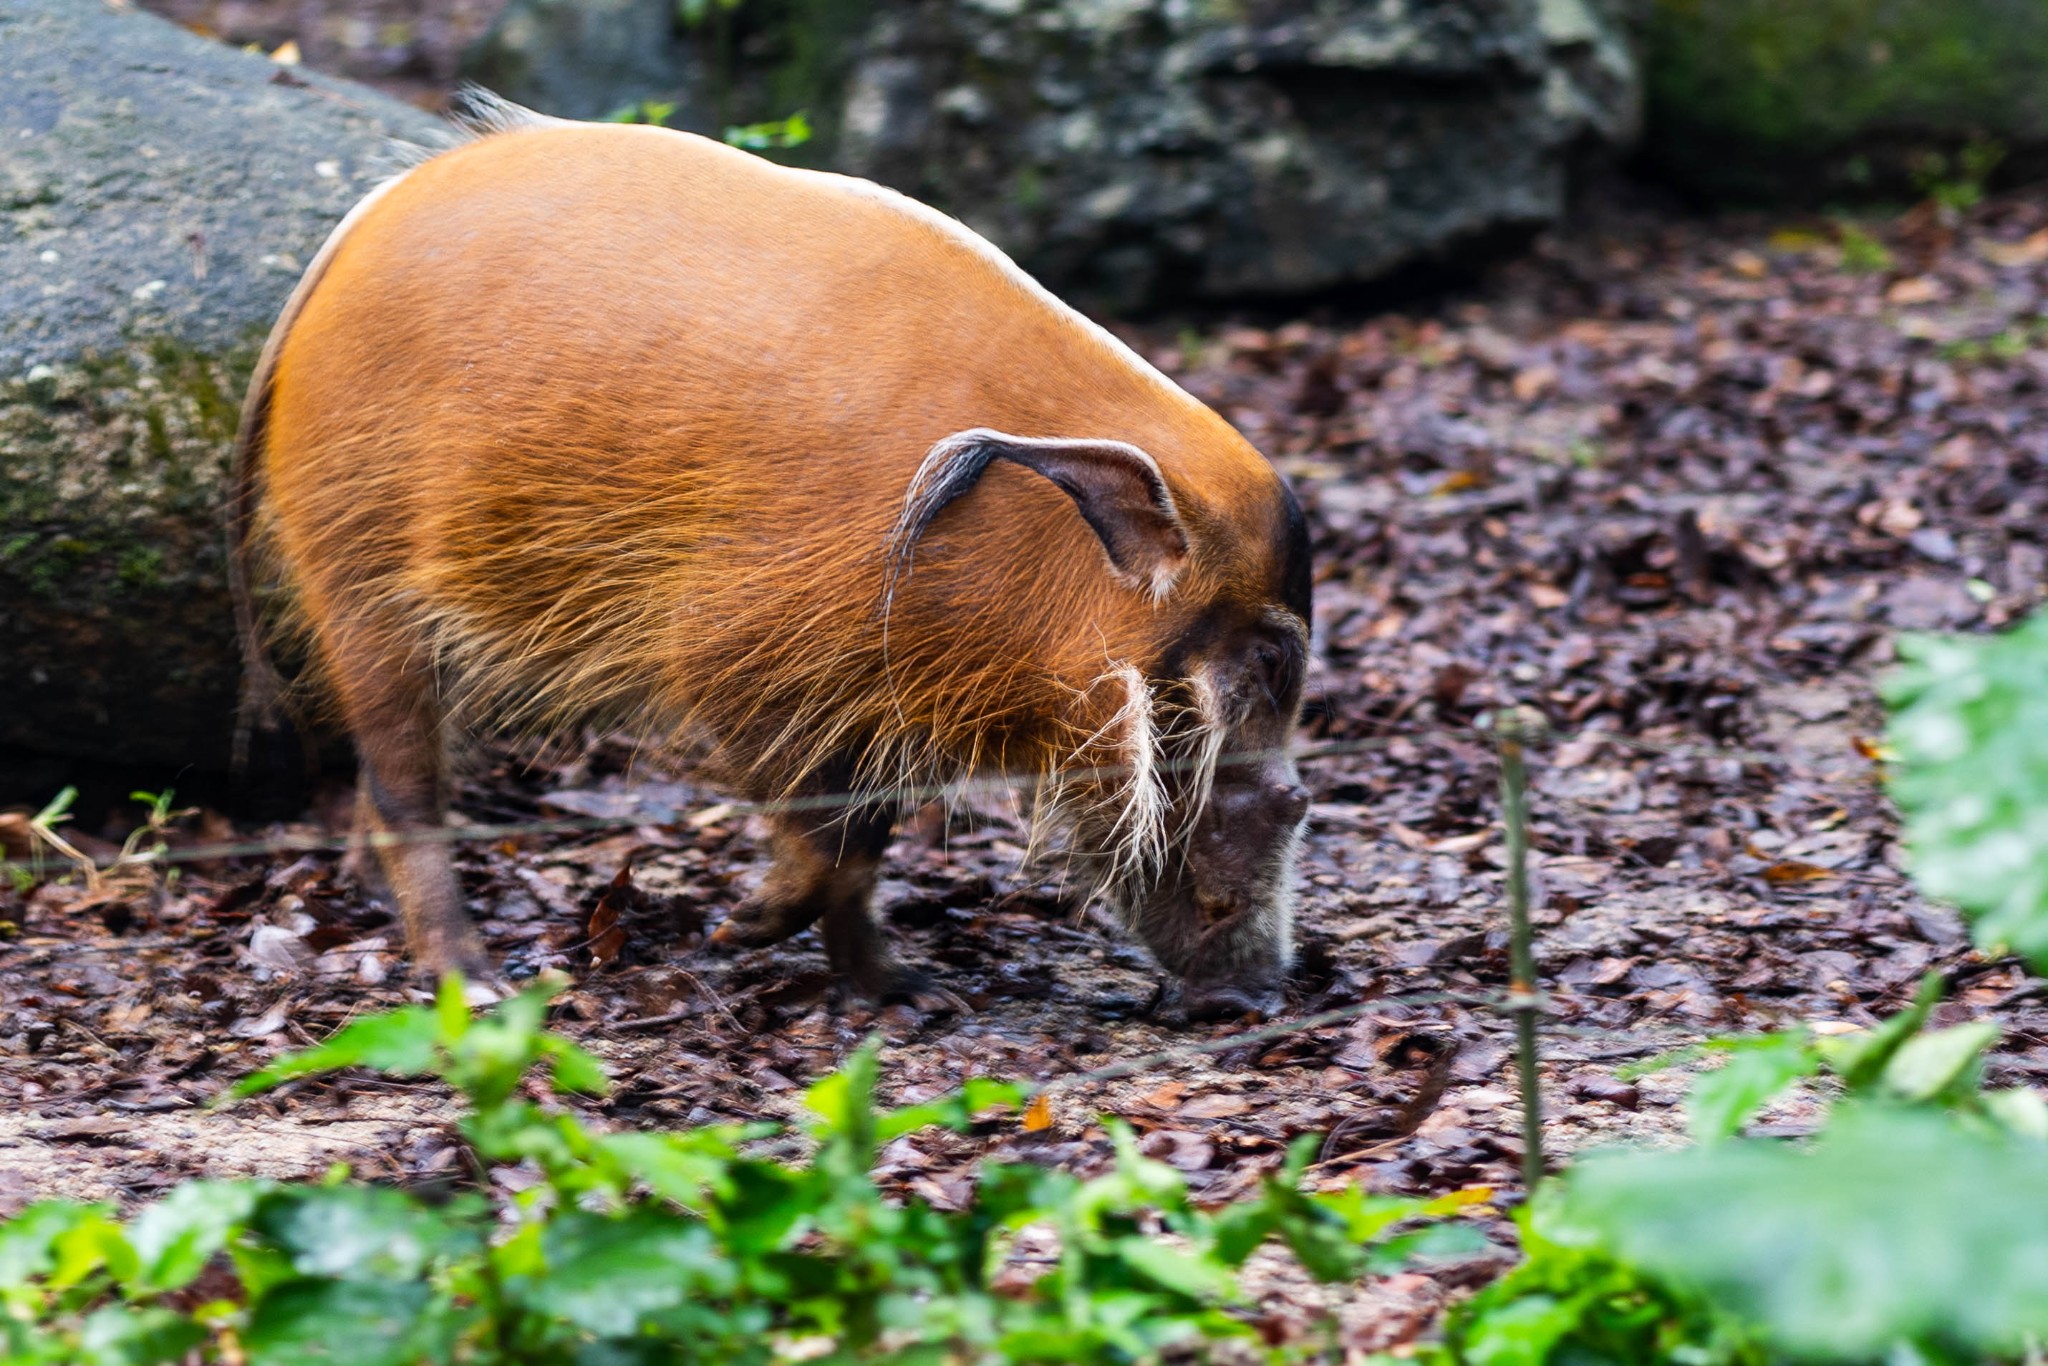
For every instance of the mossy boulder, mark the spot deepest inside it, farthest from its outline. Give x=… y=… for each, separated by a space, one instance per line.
x=1766 y=100
x=1137 y=154
x=159 y=195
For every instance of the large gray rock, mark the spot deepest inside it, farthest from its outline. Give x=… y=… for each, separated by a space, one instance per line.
x=159 y=195
x=1136 y=152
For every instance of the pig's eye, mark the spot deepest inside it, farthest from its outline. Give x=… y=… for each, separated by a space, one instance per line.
x=1277 y=665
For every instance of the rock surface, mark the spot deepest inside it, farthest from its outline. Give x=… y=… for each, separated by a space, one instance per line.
x=1133 y=153
x=159 y=195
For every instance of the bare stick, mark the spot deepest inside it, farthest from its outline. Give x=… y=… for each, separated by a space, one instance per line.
x=1523 y=1001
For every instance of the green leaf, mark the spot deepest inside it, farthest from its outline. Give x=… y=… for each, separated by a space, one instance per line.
x=90 y=1246
x=575 y=1070
x=1723 y=1100
x=451 y=1009
x=360 y=1232
x=345 y=1323
x=28 y=1241
x=176 y=1237
x=126 y=1335
x=1522 y=1331
x=1898 y=1227
x=684 y=1168
x=1970 y=729
x=1321 y=1247
x=1430 y=1243
x=1185 y=1273
x=1240 y=1229
x=793 y=131
x=399 y=1042
x=955 y=1110
x=2020 y=1110
x=845 y=1105
x=1860 y=1060
x=609 y=1275
x=1943 y=1062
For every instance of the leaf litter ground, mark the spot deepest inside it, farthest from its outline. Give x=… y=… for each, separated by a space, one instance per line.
x=1673 y=484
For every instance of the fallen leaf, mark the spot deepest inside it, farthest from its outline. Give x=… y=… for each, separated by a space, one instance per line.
x=1916 y=289
x=1165 y=1097
x=1178 y=1149
x=607 y=936
x=1788 y=871
x=2029 y=250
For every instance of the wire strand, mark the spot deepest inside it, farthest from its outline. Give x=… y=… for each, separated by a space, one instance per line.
x=906 y=795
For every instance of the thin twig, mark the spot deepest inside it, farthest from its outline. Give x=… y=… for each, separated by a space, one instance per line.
x=1523 y=1000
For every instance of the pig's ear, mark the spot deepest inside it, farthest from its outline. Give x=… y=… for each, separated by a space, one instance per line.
x=1116 y=487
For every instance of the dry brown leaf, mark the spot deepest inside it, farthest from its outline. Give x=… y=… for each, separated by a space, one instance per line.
x=607 y=936
x=1179 y=1149
x=1534 y=382
x=1791 y=871
x=1916 y=289
x=16 y=839
x=2029 y=250
x=1165 y=1097
x=1215 y=1107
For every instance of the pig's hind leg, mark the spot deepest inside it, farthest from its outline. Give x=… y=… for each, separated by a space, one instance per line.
x=388 y=697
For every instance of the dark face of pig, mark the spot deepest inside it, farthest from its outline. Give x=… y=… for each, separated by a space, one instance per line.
x=1221 y=912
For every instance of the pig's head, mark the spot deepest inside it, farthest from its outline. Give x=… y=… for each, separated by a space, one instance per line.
x=1175 y=795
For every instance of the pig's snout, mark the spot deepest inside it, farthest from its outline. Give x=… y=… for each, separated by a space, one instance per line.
x=1236 y=842
x=1240 y=861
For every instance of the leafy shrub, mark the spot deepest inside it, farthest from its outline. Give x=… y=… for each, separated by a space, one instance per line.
x=1914 y=1227
x=674 y=1248
x=1970 y=732
x=1902 y=1233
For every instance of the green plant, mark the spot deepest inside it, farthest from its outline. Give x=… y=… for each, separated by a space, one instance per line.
x=1768 y=100
x=695 y=12
x=1583 y=1305
x=1901 y=1061
x=1913 y=1227
x=1862 y=252
x=793 y=131
x=648 y=1247
x=656 y=112
x=150 y=840
x=42 y=829
x=145 y=844
x=1970 y=734
x=1902 y=1233
x=1957 y=182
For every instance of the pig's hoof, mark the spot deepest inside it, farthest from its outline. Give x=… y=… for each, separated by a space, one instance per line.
x=931 y=998
x=901 y=986
x=738 y=933
x=1228 y=1003
x=482 y=983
